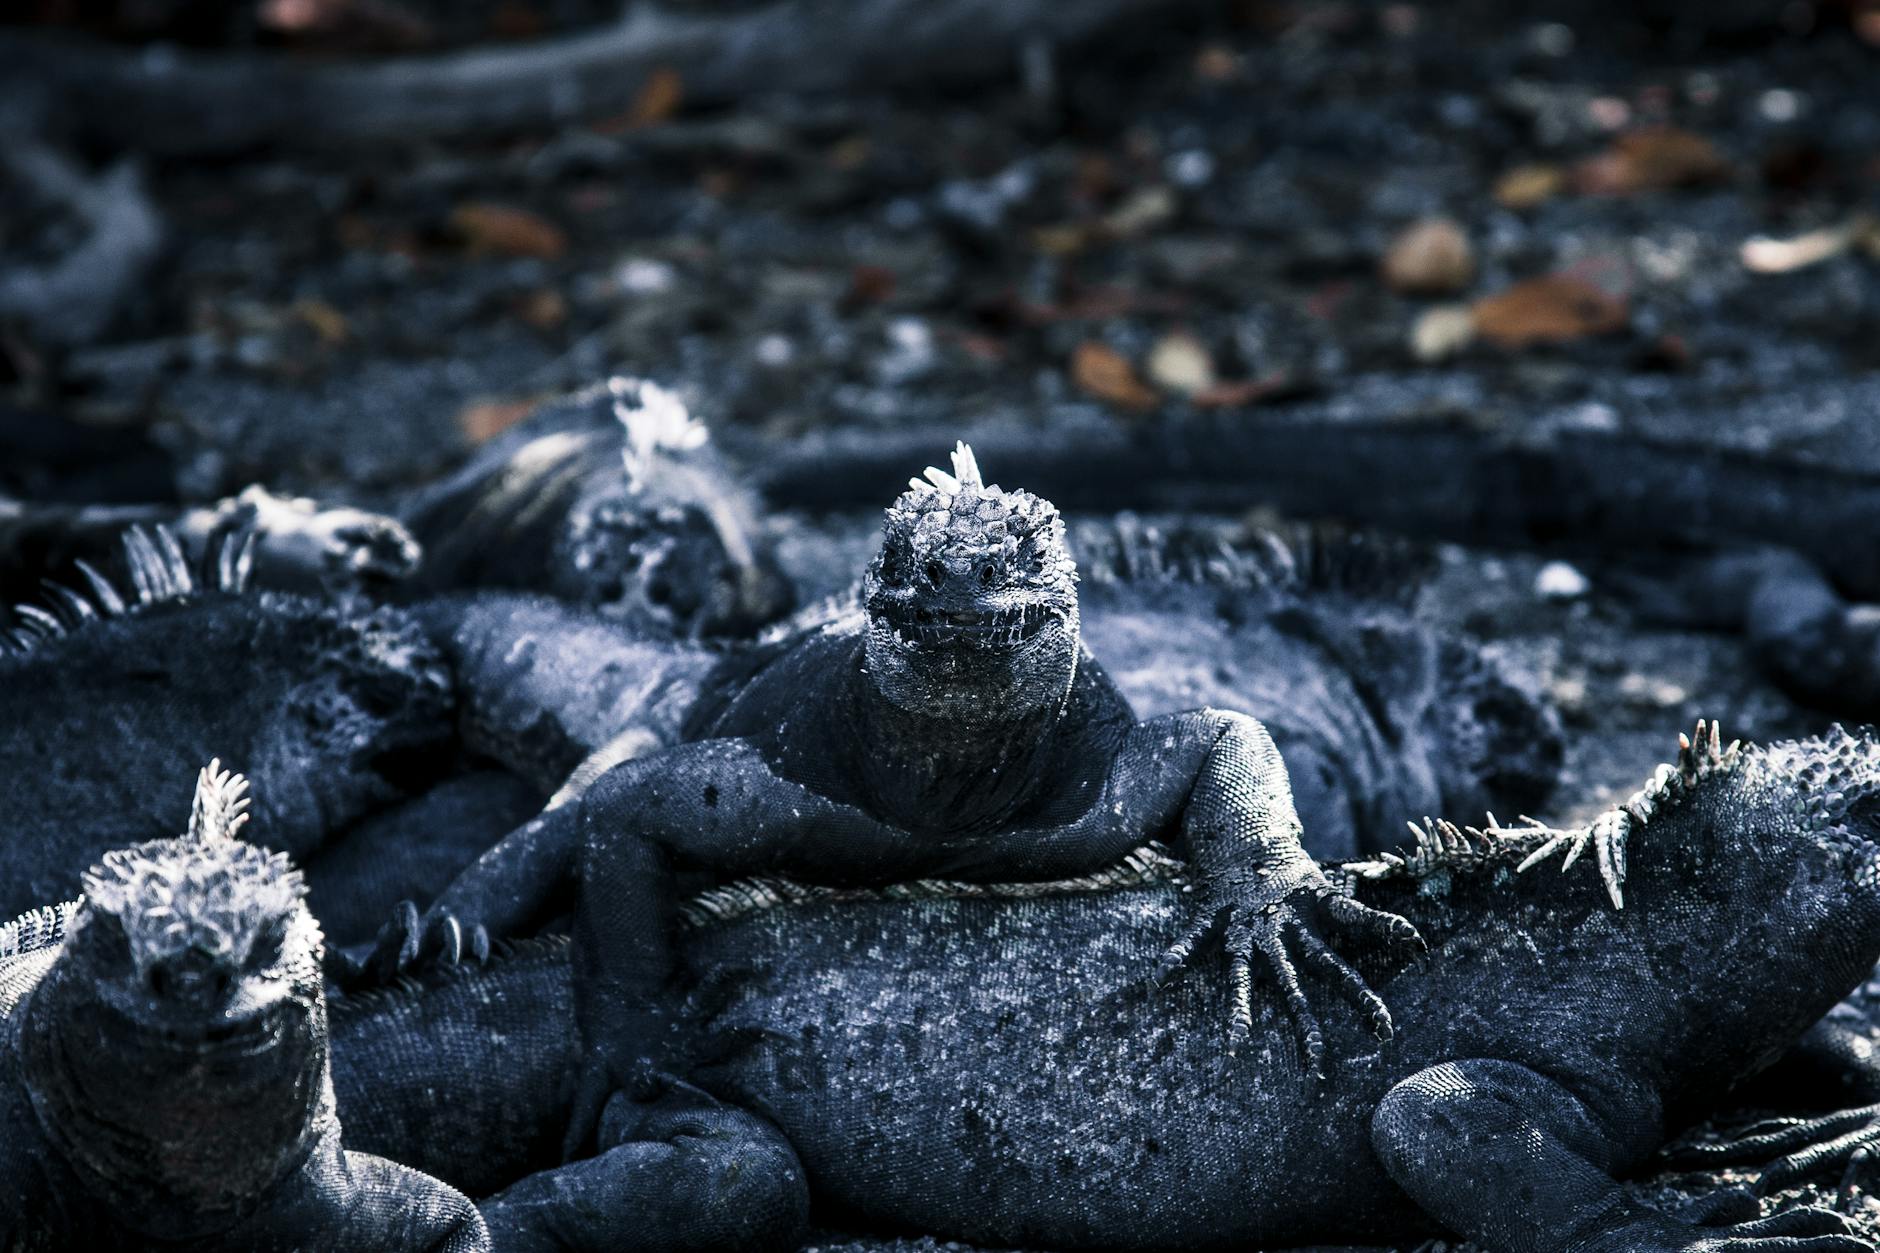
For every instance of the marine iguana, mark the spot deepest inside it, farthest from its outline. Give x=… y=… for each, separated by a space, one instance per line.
x=163 y=1065
x=610 y=497
x=983 y=1062
x=958 y=727
x=1376 y=715
x=117 y=690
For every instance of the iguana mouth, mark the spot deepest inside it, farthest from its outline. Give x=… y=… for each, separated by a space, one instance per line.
x=916 y=626
x=247 y=1036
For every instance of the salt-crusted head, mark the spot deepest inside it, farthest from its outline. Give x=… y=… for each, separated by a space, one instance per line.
x=192 y=934
x=176 y=1050
x=972 y=600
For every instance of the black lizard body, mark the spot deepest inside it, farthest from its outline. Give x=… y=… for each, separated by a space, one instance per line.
x=984 y=1062
x=116 y=689
x=164 y=1073
x=612 y=498
x=958 y=727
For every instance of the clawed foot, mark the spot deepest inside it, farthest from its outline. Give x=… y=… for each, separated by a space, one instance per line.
x=1282 y=929
x=1727 y=1223
x=298 y=541
x=1793 y=1149
x=406 y=944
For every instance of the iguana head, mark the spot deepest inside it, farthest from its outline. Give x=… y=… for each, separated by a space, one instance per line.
x=972 y=600
x=615 y=498
x=180 y=1038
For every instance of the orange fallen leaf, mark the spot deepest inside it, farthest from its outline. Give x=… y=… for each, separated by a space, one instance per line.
x=1235 y=393
x=483 y=419
x=545 y=309
x=505 y=229
x=1652 y=158
x=1216 y=63
x=1106 y=374
x=869 y=285
x=1551 y=309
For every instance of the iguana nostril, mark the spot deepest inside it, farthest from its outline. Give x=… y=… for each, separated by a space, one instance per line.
x=986 y=575
x=936 y=573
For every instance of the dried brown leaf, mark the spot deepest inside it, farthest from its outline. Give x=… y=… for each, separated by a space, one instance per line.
x=1652 y=158
x=505 y=229
x=484 y=419
x=325 y=321
x=1551 y=309
x=1105 y=373
x=1528 y=186
x=658 y=100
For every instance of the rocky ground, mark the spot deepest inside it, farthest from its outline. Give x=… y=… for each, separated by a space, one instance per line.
x=1504 y=226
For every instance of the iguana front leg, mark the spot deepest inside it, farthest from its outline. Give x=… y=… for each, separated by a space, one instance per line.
x=1510 y=1158
x=1259 y=888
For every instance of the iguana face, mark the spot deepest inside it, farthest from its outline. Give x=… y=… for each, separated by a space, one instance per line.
x=197 y=943
x=187 y=1019
x=668 y=543
x=972 y=600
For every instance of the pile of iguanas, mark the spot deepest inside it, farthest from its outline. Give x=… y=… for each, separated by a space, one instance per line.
x=647 y=928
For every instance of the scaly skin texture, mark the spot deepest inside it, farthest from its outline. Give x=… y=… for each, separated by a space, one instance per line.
x=1376 y=715
x=960 y=729
x=467 y=1073
x=984 y=1062
x=163 y=1066
x=117 y=690
x=1541 y=1046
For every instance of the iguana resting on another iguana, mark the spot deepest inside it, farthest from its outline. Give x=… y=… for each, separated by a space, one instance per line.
x=163 y=1066
x=956 y=728
x=985 y=1062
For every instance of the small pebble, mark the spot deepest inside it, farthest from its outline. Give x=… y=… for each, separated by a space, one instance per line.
x=1559 y=581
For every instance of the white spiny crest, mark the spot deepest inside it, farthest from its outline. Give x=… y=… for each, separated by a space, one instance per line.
x=966 y=467
x=965 y=476
x=159 y=571
x=1699 y=756
x=221 y=806
x=1444 y=846
x=656 y=421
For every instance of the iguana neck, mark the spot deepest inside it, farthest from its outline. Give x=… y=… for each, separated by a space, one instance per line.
x=938 y=774
x=177 y=1147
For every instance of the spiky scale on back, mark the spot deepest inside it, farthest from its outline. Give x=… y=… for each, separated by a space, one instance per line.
x=117 y=706
x=1031 y=1074
x=1377 y=715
